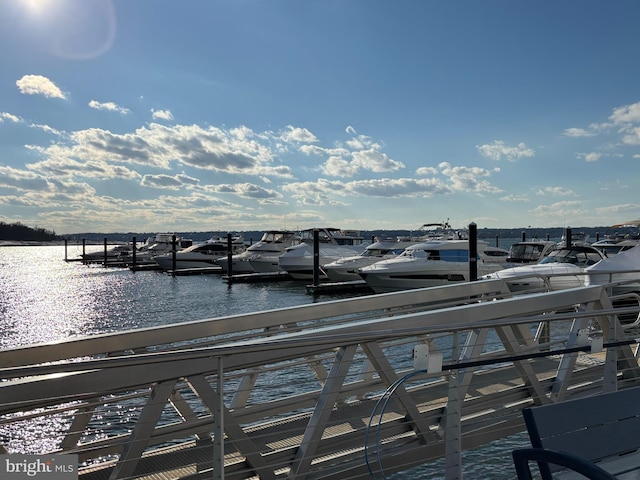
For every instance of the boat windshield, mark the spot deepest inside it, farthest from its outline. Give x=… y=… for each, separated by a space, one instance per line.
x=379 y=252
x=453 y=255
x=526 y=252
x=575 y=257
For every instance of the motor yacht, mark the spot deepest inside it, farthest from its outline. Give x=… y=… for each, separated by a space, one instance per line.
x=262 y=256
x=529 y=252
x=623 y=268
x=201 y=255
x=560 y=269
x=346 y=269
x=614 y=244
x=333 y=243
x=427 y=264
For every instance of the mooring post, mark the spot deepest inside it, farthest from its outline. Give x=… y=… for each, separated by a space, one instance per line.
x=65 y=250
x=316 y=257
x=473 y=252
x=229 y=255
x=133 y=253
x=173 y=255
x=105 y=251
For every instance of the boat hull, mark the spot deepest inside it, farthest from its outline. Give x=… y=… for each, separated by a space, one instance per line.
x=382 y=280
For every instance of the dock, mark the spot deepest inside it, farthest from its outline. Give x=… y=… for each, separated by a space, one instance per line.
x=353 y=286
x=257 y=277
x=352 y=388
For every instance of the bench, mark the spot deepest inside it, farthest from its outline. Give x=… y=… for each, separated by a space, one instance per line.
x=597 y=436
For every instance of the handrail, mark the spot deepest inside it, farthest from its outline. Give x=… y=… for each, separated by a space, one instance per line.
x=321 y=376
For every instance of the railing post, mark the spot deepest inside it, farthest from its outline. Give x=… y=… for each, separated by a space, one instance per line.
x=218 y=426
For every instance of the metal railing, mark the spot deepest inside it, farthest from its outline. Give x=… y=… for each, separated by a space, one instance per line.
x=355 y=388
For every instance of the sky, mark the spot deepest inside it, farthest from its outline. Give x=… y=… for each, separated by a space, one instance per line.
x=238 y=115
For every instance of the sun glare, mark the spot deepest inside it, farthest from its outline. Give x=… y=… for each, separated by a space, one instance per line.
x=37 y=6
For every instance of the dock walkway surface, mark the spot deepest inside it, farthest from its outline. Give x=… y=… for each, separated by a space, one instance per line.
x=352 y=388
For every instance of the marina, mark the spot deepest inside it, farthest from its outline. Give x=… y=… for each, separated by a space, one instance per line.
x=418 y=383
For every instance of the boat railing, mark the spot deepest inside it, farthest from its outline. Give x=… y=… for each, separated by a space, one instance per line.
x=339 y=389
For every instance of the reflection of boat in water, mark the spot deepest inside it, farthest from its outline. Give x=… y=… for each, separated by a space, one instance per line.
x=333 y=243
x=427 y=264
x=560 y=269
x=263 y=255
x=200 y=255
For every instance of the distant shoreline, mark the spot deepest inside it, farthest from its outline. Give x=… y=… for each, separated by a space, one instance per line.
x=594 y=233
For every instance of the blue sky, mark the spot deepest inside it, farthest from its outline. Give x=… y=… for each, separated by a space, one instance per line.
x=207 y=115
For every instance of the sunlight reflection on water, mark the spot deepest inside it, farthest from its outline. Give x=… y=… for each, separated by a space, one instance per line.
x=45 y=298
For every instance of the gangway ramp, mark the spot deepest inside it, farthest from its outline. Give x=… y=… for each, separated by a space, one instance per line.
x=303 y=388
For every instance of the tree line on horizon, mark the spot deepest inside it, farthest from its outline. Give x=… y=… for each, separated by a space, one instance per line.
x=19 y=232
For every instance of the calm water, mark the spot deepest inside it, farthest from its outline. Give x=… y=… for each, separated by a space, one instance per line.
x=43 y=298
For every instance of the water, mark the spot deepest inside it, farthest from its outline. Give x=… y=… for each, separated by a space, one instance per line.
x=44 y=299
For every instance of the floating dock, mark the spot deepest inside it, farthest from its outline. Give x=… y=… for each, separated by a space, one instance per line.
x=257 y=277
x=353 y=286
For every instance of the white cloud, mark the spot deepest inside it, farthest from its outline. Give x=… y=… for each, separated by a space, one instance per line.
x=161 y=114
x=626 y=114
x=423 y=171
x=590 y=157
x=291 y=134
x=560 y=211
x=469 y=179
x=7 y=116
x=110 y=106
x=499 y=149
x=556 y=191
x=39 y=85
x=515 y=198
x=578 y=132
x=360 y=153
x=632 y=136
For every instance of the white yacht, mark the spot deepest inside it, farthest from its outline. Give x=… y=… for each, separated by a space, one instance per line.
x=262 y=256
x=159 y=244
x=201 y=255
x=427 y=264
x=333 y=243
x=623 y=266
x=560 y=269
x=529 y=252
x=614 y=244
x=346 y=269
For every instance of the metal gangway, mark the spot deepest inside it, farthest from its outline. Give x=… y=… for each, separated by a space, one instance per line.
x=345 y=389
